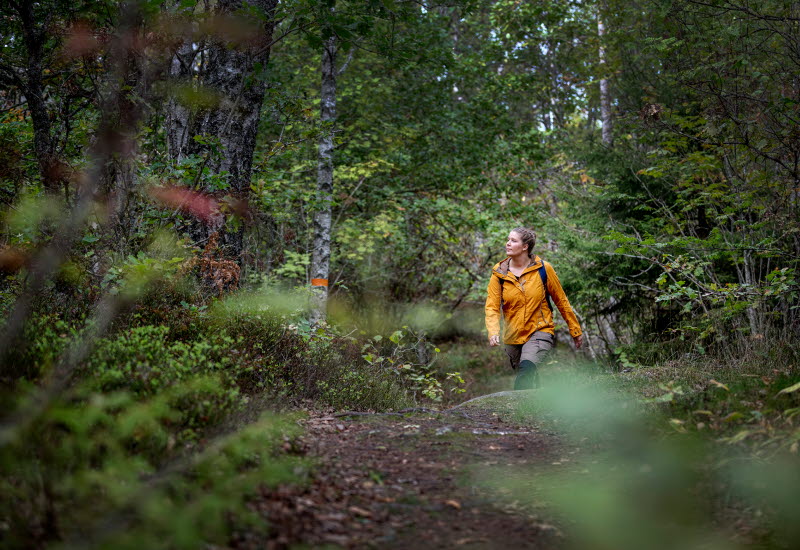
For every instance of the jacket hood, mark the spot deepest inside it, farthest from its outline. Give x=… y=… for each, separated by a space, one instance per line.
x=501 y=268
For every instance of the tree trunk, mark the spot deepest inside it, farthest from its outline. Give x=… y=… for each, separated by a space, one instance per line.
x=605 y=96
x=750 y=280
x=230 y=127
x=177 y=115
x=321 y=252
x=34 y=36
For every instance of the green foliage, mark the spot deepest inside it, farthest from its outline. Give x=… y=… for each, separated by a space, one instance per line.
x=294 y=266
x=685 y=463
x=197 y=378
x=32 y=221
x=45 y=338
x=100 y=470
x=677 y=243
x=15 y=138
x=405 y=354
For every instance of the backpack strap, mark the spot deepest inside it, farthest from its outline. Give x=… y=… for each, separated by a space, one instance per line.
x=503 y=269
x=543 y=275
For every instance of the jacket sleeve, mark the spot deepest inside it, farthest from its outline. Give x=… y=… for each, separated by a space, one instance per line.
x=492 y=308
x=561 y=301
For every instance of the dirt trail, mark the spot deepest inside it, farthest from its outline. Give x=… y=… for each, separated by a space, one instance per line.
x=407 y=482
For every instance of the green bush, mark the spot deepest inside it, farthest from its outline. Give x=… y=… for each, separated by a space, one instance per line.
x=143 y=360
x=100 y=470
x=197 y=378
x=293 y=361
x=43 y=340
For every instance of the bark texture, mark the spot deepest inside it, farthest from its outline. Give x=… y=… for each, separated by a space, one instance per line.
x=225 y=64
x=605 y=94
x=34 y=35
x=321 y=252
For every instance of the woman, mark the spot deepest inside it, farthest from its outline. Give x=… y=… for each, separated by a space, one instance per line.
x=522 y=285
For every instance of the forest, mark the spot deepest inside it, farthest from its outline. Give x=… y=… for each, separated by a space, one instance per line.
x=243 y=242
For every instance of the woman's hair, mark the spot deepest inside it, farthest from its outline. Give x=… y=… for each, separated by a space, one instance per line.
x=528 y=236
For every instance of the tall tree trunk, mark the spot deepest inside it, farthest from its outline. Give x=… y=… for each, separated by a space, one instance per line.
x=230 y=71
x=605 y=95
x=34 y=35
x=177 y=114
x=321 y=252
x=121 y=177
x=750 y=279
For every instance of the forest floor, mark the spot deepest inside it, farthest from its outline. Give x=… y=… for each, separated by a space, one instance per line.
x=415 y=480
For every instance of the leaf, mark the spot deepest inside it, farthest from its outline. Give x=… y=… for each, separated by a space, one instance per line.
x=739 y=437
x=666 y=398
x=789 y=413
x=719 y=384
x=790 y=389
x=733 y=416
x=678 y=424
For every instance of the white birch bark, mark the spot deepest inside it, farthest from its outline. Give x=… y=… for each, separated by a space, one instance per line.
x=605 y=94
x=321 y=249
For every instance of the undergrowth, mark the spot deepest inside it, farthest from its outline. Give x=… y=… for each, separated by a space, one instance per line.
x=159 y=437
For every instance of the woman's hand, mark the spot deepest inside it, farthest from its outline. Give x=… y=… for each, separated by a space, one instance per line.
x=578 y=341
x=494 y=340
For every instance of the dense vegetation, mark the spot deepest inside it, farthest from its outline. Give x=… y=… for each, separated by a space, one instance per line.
x=175 y=176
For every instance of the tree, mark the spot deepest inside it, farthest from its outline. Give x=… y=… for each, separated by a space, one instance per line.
x=605 y=94
x=220 y=70
x=48 y=82
x=321 y=247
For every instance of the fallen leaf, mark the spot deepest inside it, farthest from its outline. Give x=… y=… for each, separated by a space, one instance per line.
x=471 y=540
x=733 y=416
x=360 y=512
x=453 y=504
x=719 y=384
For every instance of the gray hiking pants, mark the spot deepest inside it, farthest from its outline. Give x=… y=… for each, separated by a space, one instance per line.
x=526 y=358
x=534 y=350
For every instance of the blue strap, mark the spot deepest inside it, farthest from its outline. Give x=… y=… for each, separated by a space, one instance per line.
x=543 y=275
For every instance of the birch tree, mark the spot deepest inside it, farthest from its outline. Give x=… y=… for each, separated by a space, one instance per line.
x=605 y=95
x=321 y=248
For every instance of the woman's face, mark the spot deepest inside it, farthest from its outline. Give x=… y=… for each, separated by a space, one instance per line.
x=514 y=245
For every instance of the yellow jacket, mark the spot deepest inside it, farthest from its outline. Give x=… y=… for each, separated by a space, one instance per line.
x=525 y=309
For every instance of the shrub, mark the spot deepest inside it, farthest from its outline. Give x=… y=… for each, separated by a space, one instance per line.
x=198 y=378
x=43 y=339
x=99 y=470
x=143 y=361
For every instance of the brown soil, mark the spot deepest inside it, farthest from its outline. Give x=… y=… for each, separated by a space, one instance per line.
x=410 y=481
